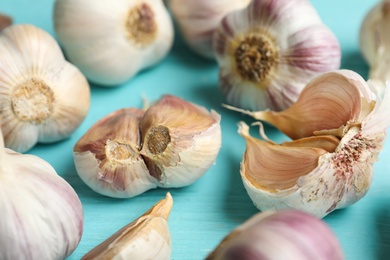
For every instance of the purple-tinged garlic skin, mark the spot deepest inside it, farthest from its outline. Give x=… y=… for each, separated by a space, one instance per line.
x=319 y=180
x=287 y=234
x=199 y=19
x=268 y=51
x=42 y=216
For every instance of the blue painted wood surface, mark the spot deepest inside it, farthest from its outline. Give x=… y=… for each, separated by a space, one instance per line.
x=206 y=211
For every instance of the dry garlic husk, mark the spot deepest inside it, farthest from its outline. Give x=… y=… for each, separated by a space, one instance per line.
x=171 y=144
x=43 y=97
x=374 y=39
x=147 y=237
x=287 y=234
x=110 y=41
x=338 y=127
x=268 y=51
x=198 y=20
x=42 y=216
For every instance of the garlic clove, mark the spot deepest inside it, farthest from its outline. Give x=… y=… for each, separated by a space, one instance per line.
x=111 y=42
x=175 y=152
x=107 y=156
x=39 y=87
x=268 y=51
x=198 y=20
x=328 y=102
x=147 y=237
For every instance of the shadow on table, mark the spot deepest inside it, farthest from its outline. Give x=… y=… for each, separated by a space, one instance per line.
x=383 y=230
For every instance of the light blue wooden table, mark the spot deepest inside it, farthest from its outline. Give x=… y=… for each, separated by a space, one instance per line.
x=206 y=211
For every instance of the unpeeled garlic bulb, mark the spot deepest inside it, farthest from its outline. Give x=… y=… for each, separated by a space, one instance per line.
x=111 y=41
x=268 y=51
x=43 y=97
x=171 y=144
x=147 y=237
x=338 y=128
x=199 y=19
x=374 y=39
x=287 y=234
x=42 y=216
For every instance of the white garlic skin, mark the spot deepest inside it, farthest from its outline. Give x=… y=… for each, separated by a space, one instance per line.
x=42 y=216
x=288 y=234
x=96 y=40
x=198 y=20
x=43 y=97
x=291 y=47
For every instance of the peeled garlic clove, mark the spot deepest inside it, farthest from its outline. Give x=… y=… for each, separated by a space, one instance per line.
x=198 y=20
x=374 y=40
x=107 y=156
x=288 y=234
x=112 y=41
x=44 y=98
x=42 y=216
x=319 y=177
x=180 y=141
x=268 y=51
x=328 y=102
x=147 y=237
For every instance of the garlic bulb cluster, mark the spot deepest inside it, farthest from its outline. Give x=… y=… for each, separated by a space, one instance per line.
x=43 y=97
x=171 y=144
x=375 y=41
x=268 y=51
x=287 y=234
x=338 y=127
x=147 y=237
x=198 y=20
x=42 y=216
x=111 y=41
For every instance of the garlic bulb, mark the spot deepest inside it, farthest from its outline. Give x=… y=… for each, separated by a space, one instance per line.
x=288 y=234
x=198 y=20
x=43 y=97
x=375 y=41
x=147 y=237
x=110 y=41
x=5 y=21
x=171 y=144
x=268 y=51
x=42 y=216
x=338 y=127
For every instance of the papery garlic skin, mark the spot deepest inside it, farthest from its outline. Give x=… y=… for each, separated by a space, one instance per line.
x=147 y=237
x=42 y=216
x=112 y=41
x=198 y=20
x=288 y=234
x=374 y=40
x=171 y=144
x=319 y=181
x=43 y=97
x=268 y=51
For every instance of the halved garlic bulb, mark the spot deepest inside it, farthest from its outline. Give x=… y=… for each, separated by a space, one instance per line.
x=198 y=20
x=147 y=237
x=171 y=144
x=112 y=41
x=43 y=97
x=268 y=51
x=338 y=127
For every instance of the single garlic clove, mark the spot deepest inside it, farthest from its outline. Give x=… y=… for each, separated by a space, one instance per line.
x=319 y=175
x=44 y=98
x=147 y=237
x=328 y=102
x=5 y=21
x=180 y=141
x=288 y=234
x=107 y=156
x=112 y=41
x=268 y=51
x=198 y=20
